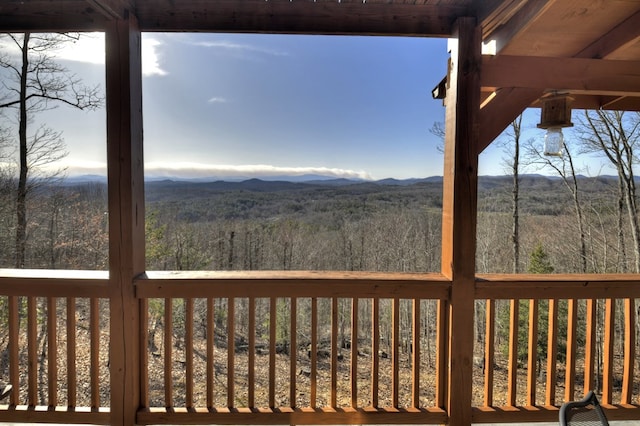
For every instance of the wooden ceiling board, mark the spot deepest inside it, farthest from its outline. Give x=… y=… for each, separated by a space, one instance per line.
x=568 y=26
x=299 y=17
x=50 y=15
x=630 y=51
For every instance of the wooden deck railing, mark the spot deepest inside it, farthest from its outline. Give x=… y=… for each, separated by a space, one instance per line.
x=304 y=347
x=55 y=331
x=295 y=348
x=588 y=345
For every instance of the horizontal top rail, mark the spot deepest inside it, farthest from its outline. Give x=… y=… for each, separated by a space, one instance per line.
x=291 y=284
x=54 y=283
x=557 y=286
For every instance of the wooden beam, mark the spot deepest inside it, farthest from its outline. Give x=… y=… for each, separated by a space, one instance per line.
x=44 y=15
x=125 y=176
x=596 y=76
x=510 y=102
x=516 y=23
x=623 y=35
x=505 y=107
x=112 y=9
x=493 y=13
x=299 y=17
x=459 y=210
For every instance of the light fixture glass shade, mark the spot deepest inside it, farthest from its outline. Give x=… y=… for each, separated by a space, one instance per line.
x=553 y=142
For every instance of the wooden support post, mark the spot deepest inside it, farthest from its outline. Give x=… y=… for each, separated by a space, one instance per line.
x=459 y=210
x=126 y=212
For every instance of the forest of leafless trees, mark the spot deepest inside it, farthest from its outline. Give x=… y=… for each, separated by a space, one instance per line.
x=557 y=223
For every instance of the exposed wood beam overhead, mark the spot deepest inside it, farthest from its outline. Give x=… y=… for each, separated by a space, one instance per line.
x=574 y=74
x=516 y=22
x=42 y=15
x=493 y=13
x=623 y=35
x=113 y=9
x=618 y=103
x=301 y=17
x=496 y=115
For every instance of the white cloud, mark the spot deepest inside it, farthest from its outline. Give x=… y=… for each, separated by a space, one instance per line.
x=78 y=168
x=217 y=100
x=188 y=170
x=238 y=47
x=90 y=48
x=151 y=58
x=199 y=170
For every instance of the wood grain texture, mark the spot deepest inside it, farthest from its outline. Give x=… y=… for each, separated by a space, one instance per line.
x=595 y=76
x=459 y=210
x=125 y=182
x=291 y=284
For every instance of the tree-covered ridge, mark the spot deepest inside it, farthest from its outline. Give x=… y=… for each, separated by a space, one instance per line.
x=258 y=224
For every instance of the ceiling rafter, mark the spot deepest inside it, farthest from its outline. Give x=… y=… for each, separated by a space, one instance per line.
x=597 y=76
x=43 y=15
x=623 y=35
x=300 y=17
x=516 y=22
x=509 y=102
x=112 y=9
x=493 y=13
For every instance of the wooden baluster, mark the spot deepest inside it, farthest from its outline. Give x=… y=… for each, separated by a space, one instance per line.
x=334 y=352
x=552 y=352
x=375 y=350
x=231 y=350
x=629 y=350
x=415 y=354
x=293 y=352
x=314 y=352
x=168 y=352
x=570 y=369
x=94 y=327
x=273 y=311
x=532 y=361
x=513 y=352
x=252 y=354
x=590 y=344
x=14 y=343
x=607 y=371
x=188 y=349
x=52 y=351
x=395 y=352
x=144 y=353
x=210 y=352
x=71 y=352
x=354 y=352
x=32 y=350
x=489 y=351
x=442 y=353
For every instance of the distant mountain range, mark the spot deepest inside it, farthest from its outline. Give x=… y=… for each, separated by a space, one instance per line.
x=273 y=181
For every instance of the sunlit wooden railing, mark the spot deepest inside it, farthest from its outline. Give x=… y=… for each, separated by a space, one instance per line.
x=329 y=348
x=55 y=344
x=590 y=344
x=295 y=348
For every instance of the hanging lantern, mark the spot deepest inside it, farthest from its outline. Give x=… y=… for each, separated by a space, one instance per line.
x=556 y=114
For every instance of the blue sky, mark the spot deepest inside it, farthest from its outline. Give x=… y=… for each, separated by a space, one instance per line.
x=243 y=105
x=360 y=107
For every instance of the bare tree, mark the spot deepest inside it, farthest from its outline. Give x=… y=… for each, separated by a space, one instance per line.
x=616 y=134
x=34 y=82
x=512 y=147
x=565 y=168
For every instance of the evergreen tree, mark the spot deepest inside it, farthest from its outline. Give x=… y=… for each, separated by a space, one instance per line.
x=539 y=262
